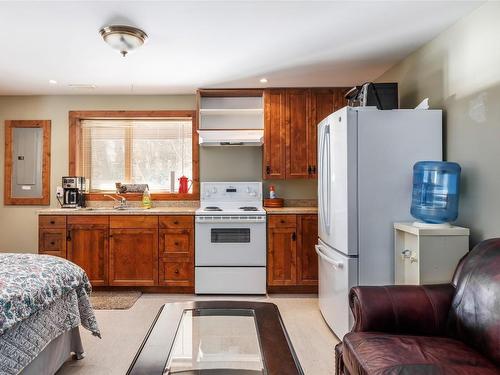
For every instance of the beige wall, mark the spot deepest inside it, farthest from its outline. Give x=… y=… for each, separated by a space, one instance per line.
x=18 y=225
x=460 y=72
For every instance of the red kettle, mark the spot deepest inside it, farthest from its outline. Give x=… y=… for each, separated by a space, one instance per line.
x=183 y=184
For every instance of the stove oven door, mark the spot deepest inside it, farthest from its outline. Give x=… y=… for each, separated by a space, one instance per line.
x=231 y=243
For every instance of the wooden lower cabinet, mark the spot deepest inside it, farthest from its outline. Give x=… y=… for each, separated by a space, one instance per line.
x=87 y=246
x=281 y=257
x=133 y=257
x=291 y=258
x=307 y=259
x=124 y=250
x=176 y=251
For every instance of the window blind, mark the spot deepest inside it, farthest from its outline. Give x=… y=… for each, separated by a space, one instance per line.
x=135 y=151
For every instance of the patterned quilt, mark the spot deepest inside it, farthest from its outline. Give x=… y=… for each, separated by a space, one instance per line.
x=29 y=283
x=21 y=344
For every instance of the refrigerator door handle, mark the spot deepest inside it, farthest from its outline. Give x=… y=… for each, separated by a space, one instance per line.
x=328 y=259
x=325 y=178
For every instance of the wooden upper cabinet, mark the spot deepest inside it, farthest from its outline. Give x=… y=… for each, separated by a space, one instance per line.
x=87 y=246
x=291 y=118
x=298 y=143
x=322 y=105
x=274 y=157
x=307 y=259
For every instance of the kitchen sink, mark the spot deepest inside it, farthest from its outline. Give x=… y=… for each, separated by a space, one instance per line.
x=129 y=208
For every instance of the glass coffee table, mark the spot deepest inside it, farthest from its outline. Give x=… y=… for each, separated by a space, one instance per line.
x=216 y=337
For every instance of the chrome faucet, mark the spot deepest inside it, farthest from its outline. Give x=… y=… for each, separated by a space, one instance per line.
x=122 y=201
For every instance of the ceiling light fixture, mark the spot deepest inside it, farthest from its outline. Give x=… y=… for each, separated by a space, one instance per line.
x=52 y=82
x=123 y=38
x=263 y=80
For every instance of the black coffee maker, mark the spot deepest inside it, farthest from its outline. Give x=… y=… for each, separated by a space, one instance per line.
x=73 y=192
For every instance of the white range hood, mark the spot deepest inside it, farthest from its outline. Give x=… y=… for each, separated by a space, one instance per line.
x=231 y=137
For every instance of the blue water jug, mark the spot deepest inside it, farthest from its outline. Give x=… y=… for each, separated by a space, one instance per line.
x=436 y=186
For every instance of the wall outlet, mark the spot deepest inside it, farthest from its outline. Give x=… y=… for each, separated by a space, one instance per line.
x=59 y=192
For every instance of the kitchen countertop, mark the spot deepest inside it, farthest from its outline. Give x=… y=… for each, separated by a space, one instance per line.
x=291 y=210
x=166 y=210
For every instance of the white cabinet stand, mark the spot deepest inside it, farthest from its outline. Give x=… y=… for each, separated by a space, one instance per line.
x=427 y=255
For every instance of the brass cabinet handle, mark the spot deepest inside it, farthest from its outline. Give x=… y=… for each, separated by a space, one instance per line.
x=52 y=222
x=176 y=271
x=294 y=236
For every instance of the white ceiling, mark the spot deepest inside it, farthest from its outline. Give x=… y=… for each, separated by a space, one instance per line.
x=211 y=43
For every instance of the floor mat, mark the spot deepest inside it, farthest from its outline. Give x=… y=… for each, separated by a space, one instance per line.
x=121 y=300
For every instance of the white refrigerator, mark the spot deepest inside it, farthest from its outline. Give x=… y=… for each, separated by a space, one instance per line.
x=365 y=164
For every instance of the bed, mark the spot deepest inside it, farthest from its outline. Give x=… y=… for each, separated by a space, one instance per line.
x=43 y=301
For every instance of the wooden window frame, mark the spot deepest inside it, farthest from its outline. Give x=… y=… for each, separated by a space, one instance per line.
x=75 y=132
x=8 y=199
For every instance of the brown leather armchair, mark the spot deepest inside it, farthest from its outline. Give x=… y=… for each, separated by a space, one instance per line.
x=428 y=330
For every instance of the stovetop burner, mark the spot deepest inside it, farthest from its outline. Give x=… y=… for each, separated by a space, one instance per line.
x=212 y=208
x=245 y=208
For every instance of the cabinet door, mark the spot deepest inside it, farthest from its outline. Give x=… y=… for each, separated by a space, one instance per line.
x=297 y=134
x=324 y=101
x=282 y=253
x=133 y=257
x=274 y=166
x=307 y=259
x=322 y=105
x=88 y=247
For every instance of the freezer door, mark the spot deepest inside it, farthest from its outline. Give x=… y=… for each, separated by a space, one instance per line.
x=338 y=181
x=337 y=274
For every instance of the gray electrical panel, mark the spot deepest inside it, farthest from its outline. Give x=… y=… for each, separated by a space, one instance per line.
x=27 y=155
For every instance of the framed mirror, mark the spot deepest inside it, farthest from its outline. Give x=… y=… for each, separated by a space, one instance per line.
x=27 y=162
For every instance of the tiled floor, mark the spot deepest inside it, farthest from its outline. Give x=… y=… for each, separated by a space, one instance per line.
x=124 y=330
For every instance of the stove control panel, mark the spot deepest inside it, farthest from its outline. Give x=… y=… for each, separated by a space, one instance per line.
x=231 y=192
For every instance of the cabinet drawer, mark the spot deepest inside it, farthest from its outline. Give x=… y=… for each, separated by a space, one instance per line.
x=52 y=221
x=133 y=222
x=282 y=221
x=88 y=220
x=176 y=243
x=176 y=273
x=174 y=222
x=52 y=241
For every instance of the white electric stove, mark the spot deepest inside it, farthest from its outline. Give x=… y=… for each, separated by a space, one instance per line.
x=230 y=239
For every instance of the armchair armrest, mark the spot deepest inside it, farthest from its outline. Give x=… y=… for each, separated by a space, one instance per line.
x=402 y=309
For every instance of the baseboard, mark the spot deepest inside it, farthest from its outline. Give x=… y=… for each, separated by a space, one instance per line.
x=149 y=289
x=291 y=289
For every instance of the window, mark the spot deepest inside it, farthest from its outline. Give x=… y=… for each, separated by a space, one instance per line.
x=133 y=150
